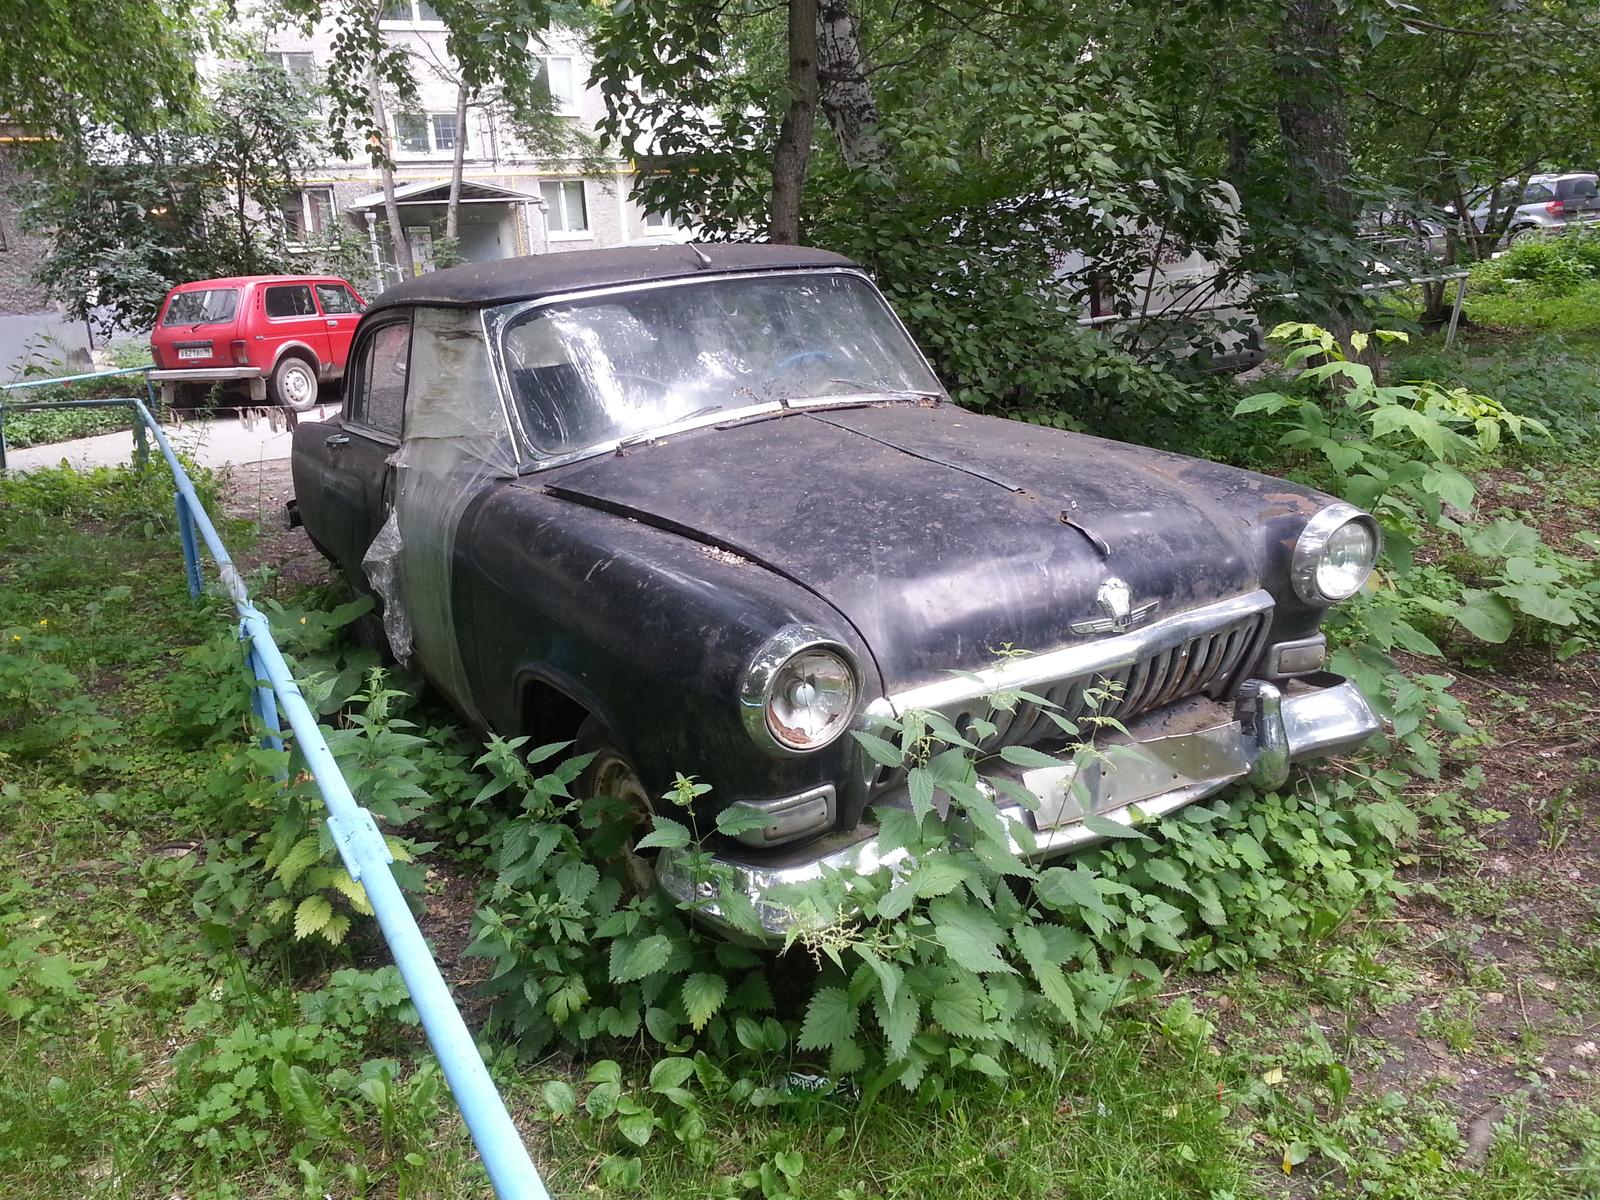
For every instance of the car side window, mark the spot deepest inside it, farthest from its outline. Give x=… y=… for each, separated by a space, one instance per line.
x=1535 y=192
x=337 y=300
x=378 y=396
x=290 y=300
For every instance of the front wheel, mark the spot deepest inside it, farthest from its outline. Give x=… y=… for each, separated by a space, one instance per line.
x=617 y=810
x=294 y=384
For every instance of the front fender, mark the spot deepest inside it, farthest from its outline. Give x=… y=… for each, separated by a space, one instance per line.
x=649 y=630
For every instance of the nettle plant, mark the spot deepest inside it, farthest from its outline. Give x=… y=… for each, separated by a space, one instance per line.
x=1401 y=452
x=945 y=961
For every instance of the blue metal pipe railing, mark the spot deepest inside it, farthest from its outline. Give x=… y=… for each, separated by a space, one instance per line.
x=141 y=450
x=365 y=856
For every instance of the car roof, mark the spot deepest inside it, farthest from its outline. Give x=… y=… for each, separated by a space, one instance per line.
x=241 y=280
x=538 y=275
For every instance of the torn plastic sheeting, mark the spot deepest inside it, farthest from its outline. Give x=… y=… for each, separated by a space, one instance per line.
x=456 y=439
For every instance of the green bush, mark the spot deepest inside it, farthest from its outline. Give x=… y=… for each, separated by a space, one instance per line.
x=1556 y=266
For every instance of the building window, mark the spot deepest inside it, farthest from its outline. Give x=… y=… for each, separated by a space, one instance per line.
x=655 y=220
x=301 y=65
x=555 y=80
x=566 y=209
x=309 y=213
x=411 y=133
x=445 y=132
x=419 y=133
x=414 y=12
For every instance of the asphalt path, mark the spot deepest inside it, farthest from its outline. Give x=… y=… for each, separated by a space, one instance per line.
x=214 y=441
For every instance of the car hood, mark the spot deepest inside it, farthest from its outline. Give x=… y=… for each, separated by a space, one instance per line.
x=942 y=535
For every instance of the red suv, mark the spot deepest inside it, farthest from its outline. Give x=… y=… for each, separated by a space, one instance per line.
x=282 y=335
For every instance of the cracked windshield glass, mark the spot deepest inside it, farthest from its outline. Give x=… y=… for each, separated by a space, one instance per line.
x=594 y=371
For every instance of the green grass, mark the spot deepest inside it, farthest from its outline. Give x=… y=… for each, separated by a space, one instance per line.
x=140 y=1034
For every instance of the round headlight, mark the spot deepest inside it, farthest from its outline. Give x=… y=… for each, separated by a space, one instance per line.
x=1335 y=554
x=800 y=691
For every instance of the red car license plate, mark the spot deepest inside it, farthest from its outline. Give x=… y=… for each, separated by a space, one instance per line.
x=194 y=352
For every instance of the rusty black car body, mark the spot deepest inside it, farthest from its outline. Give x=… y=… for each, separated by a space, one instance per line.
x=712 y=503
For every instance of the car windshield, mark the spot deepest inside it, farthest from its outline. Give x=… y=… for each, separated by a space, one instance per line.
x=205 y=306
x=587 y=372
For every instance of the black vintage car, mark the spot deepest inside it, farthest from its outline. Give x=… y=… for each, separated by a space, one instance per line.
x=706 y=509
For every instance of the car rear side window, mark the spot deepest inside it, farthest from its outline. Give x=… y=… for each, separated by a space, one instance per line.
x=1535 y=192
x=292 y=300
x=205 y=306
x=379 y=397
x=337 y=300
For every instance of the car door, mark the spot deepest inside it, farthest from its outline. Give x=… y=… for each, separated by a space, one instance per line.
x=341 y=313
x=357 y=479
x=290 y=316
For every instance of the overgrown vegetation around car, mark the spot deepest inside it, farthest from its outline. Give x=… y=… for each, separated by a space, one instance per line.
x=168 y=891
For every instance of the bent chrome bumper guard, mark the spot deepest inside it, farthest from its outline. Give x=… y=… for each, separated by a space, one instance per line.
x=1148 y=774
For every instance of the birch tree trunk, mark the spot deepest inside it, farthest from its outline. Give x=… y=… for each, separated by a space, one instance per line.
x=844 y=91
x=794 y=138
x=452 y=210
x=391 y=210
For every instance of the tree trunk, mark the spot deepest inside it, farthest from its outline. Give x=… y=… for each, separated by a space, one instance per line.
x=844 y=92
x=794 y=138
x=1311 y=108
x=391 y=210
x=452 y=210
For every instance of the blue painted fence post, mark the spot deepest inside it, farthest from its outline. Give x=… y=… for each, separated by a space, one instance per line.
x=191 y=551
x=262 y=698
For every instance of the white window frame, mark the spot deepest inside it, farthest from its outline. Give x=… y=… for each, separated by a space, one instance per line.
x=312 y=226
x=280 y=59
x=430 y=134
x=400 y=139
x=565 y=105
x=417 y=9
x=555 y=193
x=437 y=141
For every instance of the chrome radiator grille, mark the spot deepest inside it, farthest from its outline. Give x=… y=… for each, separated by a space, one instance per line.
x=1207 y=663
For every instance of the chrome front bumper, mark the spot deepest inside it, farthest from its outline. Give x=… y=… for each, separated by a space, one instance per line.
x=1171 y=758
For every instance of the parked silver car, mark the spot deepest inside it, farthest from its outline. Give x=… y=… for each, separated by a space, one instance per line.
x=1546 y=204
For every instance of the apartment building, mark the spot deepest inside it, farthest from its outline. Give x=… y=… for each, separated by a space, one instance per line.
x=512 y=203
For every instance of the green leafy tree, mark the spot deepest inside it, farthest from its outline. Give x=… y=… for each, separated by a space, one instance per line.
x=961 y=184
x=65 y=62
x=131 y=211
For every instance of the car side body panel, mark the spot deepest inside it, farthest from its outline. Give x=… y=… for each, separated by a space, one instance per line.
x=649 y=630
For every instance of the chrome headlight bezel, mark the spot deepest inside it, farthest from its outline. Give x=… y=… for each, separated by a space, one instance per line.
x=1313 y=543
x=766 y=666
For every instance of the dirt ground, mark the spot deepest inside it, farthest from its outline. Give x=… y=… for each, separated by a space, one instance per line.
x=282 y=559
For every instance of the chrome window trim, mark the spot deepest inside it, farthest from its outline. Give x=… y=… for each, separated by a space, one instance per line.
x=1071 y=662
x=1314 y=539
x=497 y=317
x=764 y=666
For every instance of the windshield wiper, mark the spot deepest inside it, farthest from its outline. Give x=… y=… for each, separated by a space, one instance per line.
x=652 y=434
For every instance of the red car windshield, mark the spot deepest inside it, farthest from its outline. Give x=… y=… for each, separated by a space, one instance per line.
x=204 y=306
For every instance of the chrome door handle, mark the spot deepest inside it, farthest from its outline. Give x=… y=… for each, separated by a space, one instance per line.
x=335 y=324
x=337 y=439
